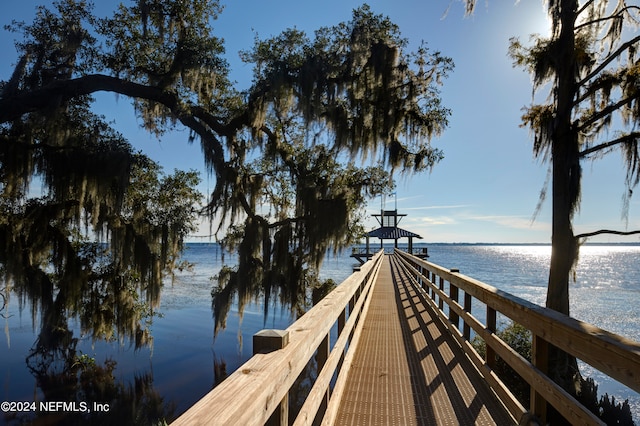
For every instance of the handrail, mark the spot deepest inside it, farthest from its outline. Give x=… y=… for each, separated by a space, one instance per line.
x=251 y=394
x=613 y=355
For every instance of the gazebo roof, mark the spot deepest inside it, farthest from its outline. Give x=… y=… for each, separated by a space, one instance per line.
x=391 y=233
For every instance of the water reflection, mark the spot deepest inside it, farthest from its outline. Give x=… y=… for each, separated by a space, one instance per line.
x=184 y=361
x=75 y=389
x=91 y=301
x=90 y=393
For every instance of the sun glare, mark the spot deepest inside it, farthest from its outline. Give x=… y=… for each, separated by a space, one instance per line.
x=535 y=19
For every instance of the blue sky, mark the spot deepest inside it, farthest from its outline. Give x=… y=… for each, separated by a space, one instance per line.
x=487 y=187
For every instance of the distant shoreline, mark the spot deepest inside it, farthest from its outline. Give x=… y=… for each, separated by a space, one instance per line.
x=422 y=244
x=529 y=244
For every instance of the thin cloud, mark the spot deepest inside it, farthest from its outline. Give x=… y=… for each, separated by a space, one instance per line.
x=515 y=222
x=459 y=206
x=440 y=220
x=420 y=221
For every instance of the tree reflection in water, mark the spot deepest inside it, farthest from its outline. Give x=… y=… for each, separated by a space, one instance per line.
x=109 y=308
x=112 y=289
x=63 y=374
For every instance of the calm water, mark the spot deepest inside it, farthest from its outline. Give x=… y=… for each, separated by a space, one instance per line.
x=181 y=360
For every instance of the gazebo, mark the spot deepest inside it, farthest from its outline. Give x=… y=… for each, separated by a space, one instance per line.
x=388 y=230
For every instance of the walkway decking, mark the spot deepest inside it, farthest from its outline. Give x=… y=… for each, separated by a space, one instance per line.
x=409 y=370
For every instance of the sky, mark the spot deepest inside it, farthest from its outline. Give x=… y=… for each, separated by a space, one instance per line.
x=487 y=188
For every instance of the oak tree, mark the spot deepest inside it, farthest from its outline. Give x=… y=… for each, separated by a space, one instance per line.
x=285 y=154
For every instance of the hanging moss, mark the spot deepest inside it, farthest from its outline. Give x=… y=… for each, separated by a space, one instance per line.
x=92 y=182
x=285 y=155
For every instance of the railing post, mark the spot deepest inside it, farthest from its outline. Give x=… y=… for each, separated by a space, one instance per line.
x=540 y=359
x=342 y=320
x=440 y=301
x=434 y=281
x=490 y=356
x=321 y=358
x=266 y=341
x=467 y=308
x=453 y=294
x=352 y=304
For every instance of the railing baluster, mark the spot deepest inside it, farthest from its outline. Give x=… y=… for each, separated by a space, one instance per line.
x=321 y=358
x=467 y=308
x=352 y=303
x=453 y=294
x=342 y=319
x=490 y=356
x=433 y=290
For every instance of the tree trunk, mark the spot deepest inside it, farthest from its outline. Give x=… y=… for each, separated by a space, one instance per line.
x=563 y=368
x=566 y=166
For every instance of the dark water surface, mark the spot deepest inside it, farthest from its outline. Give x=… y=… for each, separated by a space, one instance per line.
x=180 y=363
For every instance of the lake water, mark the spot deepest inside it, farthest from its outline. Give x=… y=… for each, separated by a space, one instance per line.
x=180 y=363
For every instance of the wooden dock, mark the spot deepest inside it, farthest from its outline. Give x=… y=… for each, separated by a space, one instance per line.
x=391 y=345
x=409 y=370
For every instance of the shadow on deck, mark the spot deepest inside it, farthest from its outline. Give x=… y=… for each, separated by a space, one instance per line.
x=408 y=369
x=399 y=356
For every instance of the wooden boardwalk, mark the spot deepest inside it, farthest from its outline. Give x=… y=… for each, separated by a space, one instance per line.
x=395 y=362
x=409 y=370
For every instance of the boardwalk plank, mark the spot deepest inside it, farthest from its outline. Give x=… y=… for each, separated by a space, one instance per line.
x=408 y=370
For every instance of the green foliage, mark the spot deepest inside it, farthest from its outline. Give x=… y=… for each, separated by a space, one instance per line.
x=306 y=202
x=83 y=361
x=90 y=184
x=519 y=339
x=322 y=289
x=316 y=105
x=168 y=45
x=57 y=45
x=356 y=78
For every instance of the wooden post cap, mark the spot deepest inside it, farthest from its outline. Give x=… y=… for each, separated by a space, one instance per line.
x=265 y=341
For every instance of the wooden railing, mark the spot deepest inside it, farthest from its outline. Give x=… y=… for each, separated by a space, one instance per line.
x=611 y=354
x=257 y=392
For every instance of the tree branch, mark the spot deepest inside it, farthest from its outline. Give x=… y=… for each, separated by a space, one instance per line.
x=194 y=117
x=207 y=126
x=20 y=103
x=603 y=113
x=288 y=221
x=595 y=21
x=606 y=231
x=608 y=60
x=605 y=145
x=584 y=7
